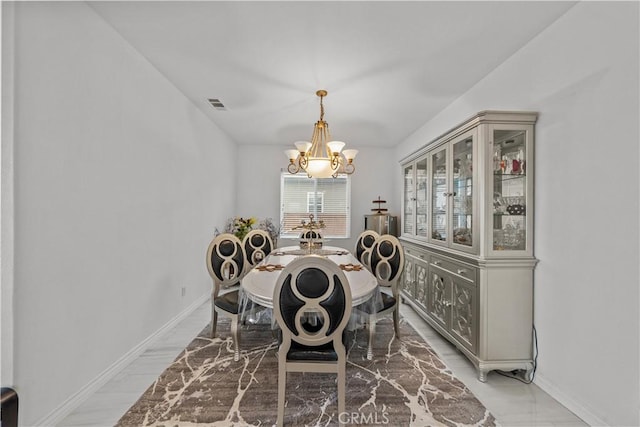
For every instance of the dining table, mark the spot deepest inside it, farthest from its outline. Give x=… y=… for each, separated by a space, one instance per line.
x=258 y=285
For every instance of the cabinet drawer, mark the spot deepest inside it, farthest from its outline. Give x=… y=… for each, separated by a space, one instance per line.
x=460 y=269
x=416 y=253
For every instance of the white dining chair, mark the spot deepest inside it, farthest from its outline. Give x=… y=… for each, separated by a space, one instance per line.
x=226 y=263
x=387 y=263
x=257 y=245
x=364 y=245
x=316 y=286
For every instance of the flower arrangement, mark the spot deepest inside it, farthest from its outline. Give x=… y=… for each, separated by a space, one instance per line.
x=238 y=226
x=241 y=226
x=273 y=230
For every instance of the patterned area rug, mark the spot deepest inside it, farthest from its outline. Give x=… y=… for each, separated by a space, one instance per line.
x=405 y=384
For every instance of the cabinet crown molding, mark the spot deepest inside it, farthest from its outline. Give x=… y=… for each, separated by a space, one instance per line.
x=485 y=116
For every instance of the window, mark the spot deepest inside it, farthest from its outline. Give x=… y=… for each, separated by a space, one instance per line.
x=315 y=202
x=327 y=199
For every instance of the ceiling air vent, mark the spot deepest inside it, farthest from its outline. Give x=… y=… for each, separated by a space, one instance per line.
x=217 y=104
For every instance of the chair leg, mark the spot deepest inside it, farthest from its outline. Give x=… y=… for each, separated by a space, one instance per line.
x=282 y=383
x=396 y=321
x=341 y=390
x=214 y=320
x=372 y=334
x=248 y=311
x=236 y=336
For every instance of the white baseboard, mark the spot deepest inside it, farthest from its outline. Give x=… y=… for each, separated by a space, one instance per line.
x=577 y=408
x=73 y=402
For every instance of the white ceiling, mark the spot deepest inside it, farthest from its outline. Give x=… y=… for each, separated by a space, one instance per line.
x=388 y=66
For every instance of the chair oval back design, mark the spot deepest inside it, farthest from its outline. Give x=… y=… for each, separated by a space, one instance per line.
x=257 y=245
x=364 y=245
x=312 y=284
x=226 y=259
x=387 y=260
x=310 y=234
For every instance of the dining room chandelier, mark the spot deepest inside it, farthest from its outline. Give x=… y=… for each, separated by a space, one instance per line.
x=322 y=157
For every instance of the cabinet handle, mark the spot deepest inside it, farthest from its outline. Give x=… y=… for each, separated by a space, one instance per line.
x=436 y=263
x=462 y=272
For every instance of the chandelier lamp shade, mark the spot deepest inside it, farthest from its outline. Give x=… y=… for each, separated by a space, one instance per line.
x=322 y=157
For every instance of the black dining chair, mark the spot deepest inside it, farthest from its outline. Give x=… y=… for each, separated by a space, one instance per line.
x=387 y=263
x=364 y=245
x=312 y=305
x=257 y=245
x=226 y=262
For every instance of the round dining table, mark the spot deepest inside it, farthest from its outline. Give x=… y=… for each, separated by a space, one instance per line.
x=258 y=285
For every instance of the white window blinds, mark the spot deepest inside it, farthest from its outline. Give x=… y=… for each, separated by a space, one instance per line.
x=328 y=199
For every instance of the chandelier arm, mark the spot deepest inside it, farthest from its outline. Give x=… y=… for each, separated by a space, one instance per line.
x=335 y=162
x=293 y=168
x=349 y=168
x=303 y=162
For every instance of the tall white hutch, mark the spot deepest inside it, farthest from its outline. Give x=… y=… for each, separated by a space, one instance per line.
x=467 y=231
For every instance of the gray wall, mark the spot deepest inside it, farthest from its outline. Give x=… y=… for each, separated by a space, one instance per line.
x=119 y=183
x=581 y=75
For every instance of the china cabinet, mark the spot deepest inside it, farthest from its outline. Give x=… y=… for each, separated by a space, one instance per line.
x=467 y=231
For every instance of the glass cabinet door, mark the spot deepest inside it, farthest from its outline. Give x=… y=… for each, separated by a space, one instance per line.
x=409 y=201
x=509 y=190
x=462 y=180
x=439 y=196
x=422 y=205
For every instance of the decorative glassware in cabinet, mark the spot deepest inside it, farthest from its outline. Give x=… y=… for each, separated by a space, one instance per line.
x=409 y=199
x=422 y=205
x=509 y=190
x=463 y=191
x=439 y=195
